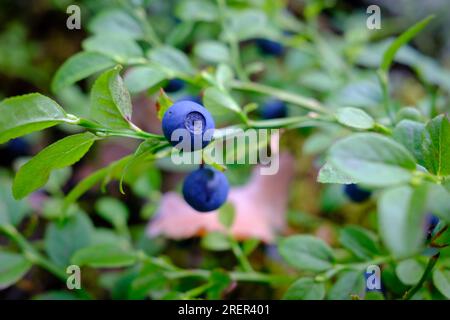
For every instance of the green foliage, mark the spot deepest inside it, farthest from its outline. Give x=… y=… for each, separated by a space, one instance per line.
x=306 y=253
x=395 y=144
x=65 y=152
x=25 y=114
x=12 y=269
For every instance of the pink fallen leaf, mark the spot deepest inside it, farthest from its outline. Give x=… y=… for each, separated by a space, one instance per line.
x=260 y=208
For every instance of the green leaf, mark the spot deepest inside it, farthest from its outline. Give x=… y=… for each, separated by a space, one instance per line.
x=401 y=214
x=22 y=115
x=116 y=22
x=11 y=210
x=305 y=289
x=226 y=215
x=409 y=134
x=438 y=201
x=441 y=280
x=107 y=255
x=212 y=51
x=404 y=38
x=12 y=268
x=197 y=10
x=348 y=283
x=355 y=118
x=248 y=24
x=216 y=241
x=113 y=211
x=219 y=281
x=171 y=59
x=65 y=152
x=359 y=241
x=409 y=271
x=373 y=160
x=141 y=78
x=62 y=240
x=78 y=67
x=163 y=103
x=306 y=252
x=329 y=174
x=119 y=48
x=219 y=102
x=110 y=101
x=436 y=145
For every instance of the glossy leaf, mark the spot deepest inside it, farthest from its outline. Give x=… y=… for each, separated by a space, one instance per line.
x=110 y=101
x=63 y=239
x=22 y=115
x=359 y=241
x=305 y=289
x=78 y=67
x=107 y=255
x=401 y=214
x=409 y=134
x=373 y=159
x=13 y=267
x=355 y=118
x=349 y=283
x=65 y=152
x=436 y=145
x=306 y=253
x=119 y=48
x=142 y=78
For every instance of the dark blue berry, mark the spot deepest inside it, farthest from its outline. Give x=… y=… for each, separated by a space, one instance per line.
x=431 y=221
x=206 y=189
x=19 y=147
x=356 y=193
x=174 y=85
x=195 y=122
x=273 y=109
x=270 y=47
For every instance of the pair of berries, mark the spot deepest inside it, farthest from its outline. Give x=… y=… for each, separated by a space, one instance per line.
x=189 y=126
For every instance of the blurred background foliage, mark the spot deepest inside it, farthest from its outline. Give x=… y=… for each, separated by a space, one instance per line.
x=332 y=62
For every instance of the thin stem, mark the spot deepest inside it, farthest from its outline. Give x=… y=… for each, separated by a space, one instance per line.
x=431 y=263
x=136 y=133
x=305 y=102
x=240 y=256
x=384 y=83
x=30 y=253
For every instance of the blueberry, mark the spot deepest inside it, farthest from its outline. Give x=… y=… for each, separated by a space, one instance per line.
x=193 y=119
x=273 y=109
x=196 y=99
x=206 y=189
x=19 y=147
x=431 y=221
x=356 y=193
x=270 y=47
x=174 y=85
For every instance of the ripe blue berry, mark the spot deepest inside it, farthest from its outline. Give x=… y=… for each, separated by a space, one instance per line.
x=206 y=189
x=174 y=85
x=273 y=109
x=270 y=47
x=356 y=193
x=194 y=121
x=431 y=221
